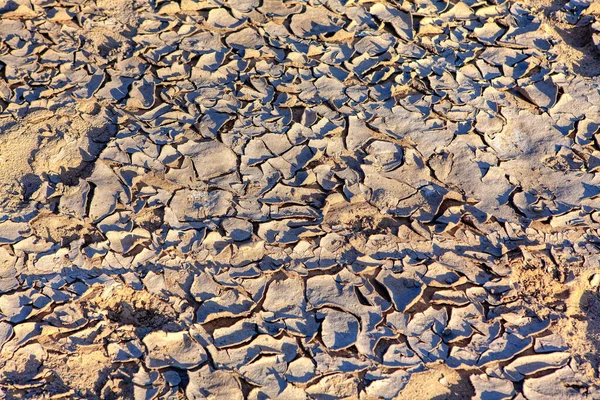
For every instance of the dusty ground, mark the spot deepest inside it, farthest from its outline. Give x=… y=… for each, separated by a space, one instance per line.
x=299 y=199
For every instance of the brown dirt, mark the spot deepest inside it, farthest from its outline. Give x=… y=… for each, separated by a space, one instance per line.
x=537 y=283
x=136 y=307
x=359 y=217
x=150 y=219
x=41 y=145
x=59 y=228
x=438 y=383
x=85 y=371
x=574 y=47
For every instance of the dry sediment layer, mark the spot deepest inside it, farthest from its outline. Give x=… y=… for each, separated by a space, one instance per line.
x=299 y=199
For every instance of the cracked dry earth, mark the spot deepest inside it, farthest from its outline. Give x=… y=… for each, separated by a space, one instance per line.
x=319 y=199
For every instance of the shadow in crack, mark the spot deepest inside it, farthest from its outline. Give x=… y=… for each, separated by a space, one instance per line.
x=30 y=183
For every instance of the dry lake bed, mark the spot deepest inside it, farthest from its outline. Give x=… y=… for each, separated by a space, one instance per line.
x=322 y=199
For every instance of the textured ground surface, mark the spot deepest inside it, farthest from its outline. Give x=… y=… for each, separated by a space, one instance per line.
x=299 y=199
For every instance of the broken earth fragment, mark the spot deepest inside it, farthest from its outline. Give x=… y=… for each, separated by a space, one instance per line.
x=339 y=329
x=315 y=21
x=492 y=388
x=211 y=158
x=267 y=199
x=173 y=349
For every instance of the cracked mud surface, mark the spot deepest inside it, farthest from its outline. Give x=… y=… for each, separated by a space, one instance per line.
x=299 y=199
